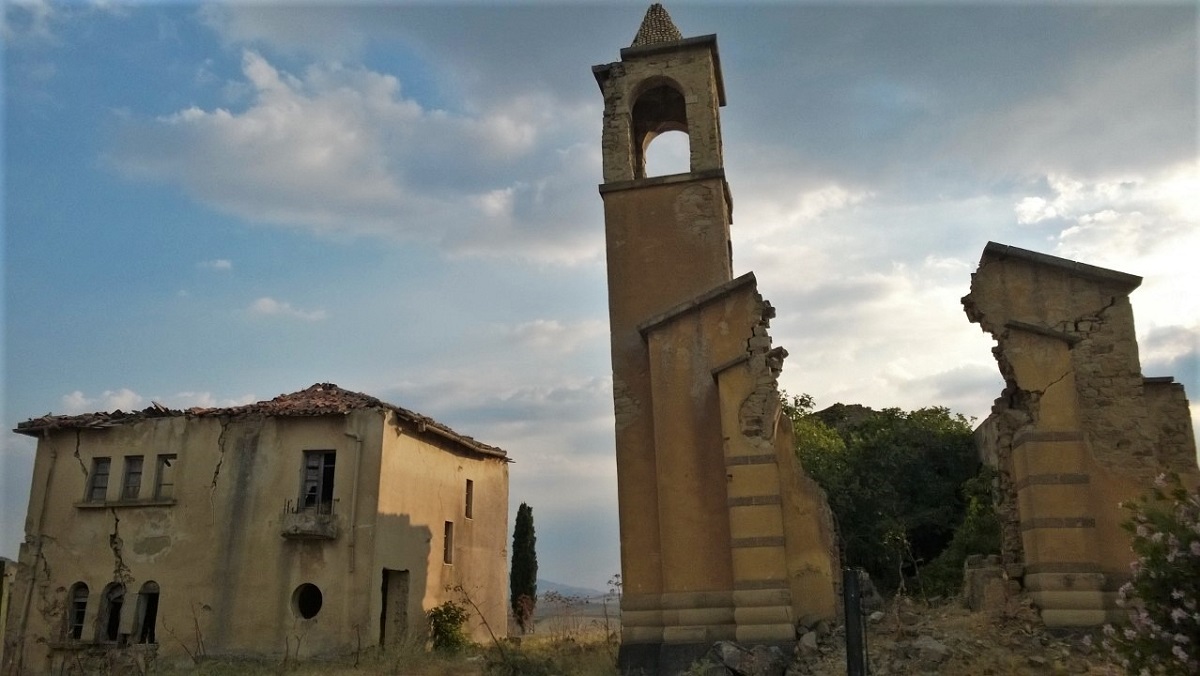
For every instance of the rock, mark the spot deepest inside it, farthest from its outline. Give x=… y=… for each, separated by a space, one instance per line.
x=727 y=657
x=870 y=597
x=808 y=643
x=1037 y=661
x=930 y=649
x=875 y=616
x=766 y=661
x=728 y=654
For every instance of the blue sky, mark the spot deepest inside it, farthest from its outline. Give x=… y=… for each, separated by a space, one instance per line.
x=207 y=204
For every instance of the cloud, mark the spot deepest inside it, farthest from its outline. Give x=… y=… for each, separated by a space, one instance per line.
x=269 y=307
x=339 y=150
x=123 y=399
x=29 y=21
x=554 y=335
x=216 y=264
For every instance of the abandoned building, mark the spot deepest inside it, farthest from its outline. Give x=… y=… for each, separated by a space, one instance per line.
x=722 y=535
x=317 y=522
x=1077 y=430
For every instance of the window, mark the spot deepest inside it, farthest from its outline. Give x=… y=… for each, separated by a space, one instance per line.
x=147 y=612
x=470 y=510
x=78 y=611
x=307 y=600
x=164 y=477
x=98 y=481
x=110 y=611
x=316 y=491
x=448 y=543
x=133 y=477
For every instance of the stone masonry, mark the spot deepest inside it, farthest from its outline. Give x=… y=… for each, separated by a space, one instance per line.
x=722 y=535
x=1078 y=428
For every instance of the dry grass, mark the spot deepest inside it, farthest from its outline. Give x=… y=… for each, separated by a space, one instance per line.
x=585 y=650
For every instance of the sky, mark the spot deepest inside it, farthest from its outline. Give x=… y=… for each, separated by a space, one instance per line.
x=213 y=204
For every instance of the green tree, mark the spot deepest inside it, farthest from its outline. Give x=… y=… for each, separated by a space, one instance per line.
x=522 y=578
x=895 y=480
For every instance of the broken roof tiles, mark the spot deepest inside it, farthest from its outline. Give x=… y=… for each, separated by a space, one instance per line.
x=317 y=400
x=656 y=28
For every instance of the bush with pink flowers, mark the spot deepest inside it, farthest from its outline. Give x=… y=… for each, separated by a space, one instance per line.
x=1163 y=634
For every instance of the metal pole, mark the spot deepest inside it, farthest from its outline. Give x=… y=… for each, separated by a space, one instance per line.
x=856 y=647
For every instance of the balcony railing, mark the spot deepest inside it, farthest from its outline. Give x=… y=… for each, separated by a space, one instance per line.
x=315 y=522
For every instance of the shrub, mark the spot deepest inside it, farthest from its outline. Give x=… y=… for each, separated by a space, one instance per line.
x=1163 y=636
x=978 y=534
x=446 y=626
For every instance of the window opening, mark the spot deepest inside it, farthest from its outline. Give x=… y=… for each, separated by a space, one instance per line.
x=470 y=509
x=671 y=154
x=114 y=600
x=164 y=477
x=448 y=543
x=79 y=600
x=133 y=477
x=658 y=110
x=307 y=600
x=316 y=491
x=147 y=612
x=98 y=481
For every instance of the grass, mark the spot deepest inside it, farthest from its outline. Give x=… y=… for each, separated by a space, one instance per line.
x=587 y=652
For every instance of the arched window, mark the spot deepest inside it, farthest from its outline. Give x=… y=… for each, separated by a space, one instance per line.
x=658 y=109
x=147 y=613
x=78 y=610
x=111 y=603
x=668 y=153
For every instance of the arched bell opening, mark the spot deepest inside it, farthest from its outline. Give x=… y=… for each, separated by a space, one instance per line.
x=659 y=109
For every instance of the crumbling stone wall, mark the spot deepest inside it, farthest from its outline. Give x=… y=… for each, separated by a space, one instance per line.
x=1077 y=430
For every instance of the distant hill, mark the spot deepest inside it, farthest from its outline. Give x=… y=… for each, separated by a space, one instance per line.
x=565 y=589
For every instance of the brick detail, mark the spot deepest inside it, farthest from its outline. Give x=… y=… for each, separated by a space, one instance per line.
x=751 y=500
x=1058 y=522
x=1051 y=480
x=743 y=543
x=762 y=459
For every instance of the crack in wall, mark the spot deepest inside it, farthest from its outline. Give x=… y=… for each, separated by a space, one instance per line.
x=78 y=443
x=212 y=490
x=121 y=572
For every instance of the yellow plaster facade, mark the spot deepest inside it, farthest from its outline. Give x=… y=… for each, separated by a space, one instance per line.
x=1077 y=430
x=722 y=535
x=315 y=523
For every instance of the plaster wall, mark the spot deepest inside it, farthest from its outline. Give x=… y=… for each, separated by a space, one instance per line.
x=410 y=527
x=226 y=574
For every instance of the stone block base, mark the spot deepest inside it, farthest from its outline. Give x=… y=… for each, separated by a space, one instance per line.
x=672 y=659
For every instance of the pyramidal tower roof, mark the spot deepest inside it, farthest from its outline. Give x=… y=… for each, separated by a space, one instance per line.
x=656 y=28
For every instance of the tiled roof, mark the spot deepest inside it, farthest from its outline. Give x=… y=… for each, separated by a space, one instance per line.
x=320 y=399
x=657 y=27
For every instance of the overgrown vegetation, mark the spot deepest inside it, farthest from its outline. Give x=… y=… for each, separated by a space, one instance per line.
x=522 y=578
x=905 y=488
x=446 y=624
x=1163 y=635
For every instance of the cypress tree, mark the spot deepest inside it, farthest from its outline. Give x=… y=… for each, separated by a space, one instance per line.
x=522 y=578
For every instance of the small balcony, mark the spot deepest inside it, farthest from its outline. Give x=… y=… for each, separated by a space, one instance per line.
x=311 y=522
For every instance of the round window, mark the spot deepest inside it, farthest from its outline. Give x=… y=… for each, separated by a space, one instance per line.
x=306 y=600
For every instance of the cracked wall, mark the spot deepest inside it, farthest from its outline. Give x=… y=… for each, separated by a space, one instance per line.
x=1077 y=429
x=216 y=547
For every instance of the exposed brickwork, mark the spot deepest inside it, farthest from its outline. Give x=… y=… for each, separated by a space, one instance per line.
x=1077 y=428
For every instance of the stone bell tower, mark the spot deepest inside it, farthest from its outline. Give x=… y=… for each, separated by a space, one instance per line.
x=722 y=535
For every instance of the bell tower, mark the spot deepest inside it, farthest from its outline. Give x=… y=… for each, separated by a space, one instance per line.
x=722 y=535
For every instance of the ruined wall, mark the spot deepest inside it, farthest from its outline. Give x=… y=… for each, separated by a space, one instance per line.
x=1077 y=430
x=216 y=548
x=409 y=528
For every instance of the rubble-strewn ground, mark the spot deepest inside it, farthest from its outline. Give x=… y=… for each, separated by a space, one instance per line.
x=948 y=639
x=910 y=638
